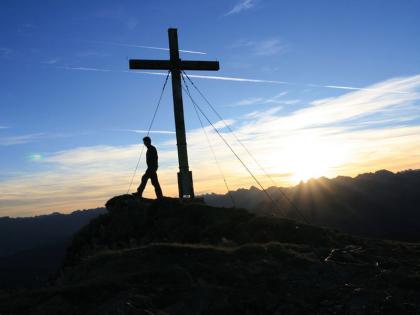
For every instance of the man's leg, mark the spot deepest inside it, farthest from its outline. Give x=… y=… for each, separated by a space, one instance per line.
x=143 y=183
x=155 y=183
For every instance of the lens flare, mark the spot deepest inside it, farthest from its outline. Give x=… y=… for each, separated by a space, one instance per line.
x=36 y=157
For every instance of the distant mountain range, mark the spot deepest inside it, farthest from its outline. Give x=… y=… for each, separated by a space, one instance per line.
x=381 y=205
x=31 y=248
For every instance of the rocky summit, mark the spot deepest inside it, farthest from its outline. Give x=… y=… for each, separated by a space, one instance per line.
x=168 y=257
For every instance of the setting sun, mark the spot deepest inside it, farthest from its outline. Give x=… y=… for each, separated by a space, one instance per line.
x=313 y=157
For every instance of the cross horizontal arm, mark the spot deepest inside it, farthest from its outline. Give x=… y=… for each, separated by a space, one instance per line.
x=168 y=65
x=199 y=65
x=150 y=64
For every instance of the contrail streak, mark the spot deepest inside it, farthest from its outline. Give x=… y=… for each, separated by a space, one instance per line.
x=339 y=87
x=211 y=77
x=236 y=79
x=145 y=131
x=277 y=82
x=89 y=69
x=149 y=47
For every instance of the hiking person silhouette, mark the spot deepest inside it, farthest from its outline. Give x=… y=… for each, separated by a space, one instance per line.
x=152 y=166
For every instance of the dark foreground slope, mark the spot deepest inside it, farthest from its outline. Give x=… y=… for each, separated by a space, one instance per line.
x=167 y=258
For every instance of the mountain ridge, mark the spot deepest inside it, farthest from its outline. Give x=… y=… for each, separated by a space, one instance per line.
x=381 y=205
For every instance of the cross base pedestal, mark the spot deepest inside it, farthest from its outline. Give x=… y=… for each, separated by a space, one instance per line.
x=185 y=185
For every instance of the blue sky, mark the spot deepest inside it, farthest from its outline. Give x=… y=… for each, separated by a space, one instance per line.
x=68 y=101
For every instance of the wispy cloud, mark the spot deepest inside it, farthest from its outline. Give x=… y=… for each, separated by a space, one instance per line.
x=20 y=139
x=51 y=61
x=131 y=23
x=93 y=156
x=276 y=99
x=269 y=47
x=249 y=101
x=34 y=137
x=5 y=52
x=243 y=5
x=266 y=47
x=119 y=14
x=257 y=114
x=338 y=135
x=93 y=53
x=26 y=28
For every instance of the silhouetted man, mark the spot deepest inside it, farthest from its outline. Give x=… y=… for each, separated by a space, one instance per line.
x=152 y=166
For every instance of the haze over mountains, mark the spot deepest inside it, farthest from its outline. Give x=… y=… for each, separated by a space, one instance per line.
x=381 y=205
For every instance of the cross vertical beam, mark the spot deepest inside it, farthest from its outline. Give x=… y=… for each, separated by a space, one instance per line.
x=185 y=183
x=176 y=65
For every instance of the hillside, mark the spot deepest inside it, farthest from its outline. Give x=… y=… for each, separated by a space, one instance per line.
x=32 y=248
x=163 y=257
x=381 y=205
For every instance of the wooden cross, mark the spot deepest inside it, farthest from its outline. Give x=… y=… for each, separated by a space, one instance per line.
x=176 y=65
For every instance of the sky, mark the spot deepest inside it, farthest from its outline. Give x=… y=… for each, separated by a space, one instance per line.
x=311 y=88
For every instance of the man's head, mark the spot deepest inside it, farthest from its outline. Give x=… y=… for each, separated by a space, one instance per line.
x=147 y=141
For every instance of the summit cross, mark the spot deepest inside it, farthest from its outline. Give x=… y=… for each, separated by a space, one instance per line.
x=175 y=65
